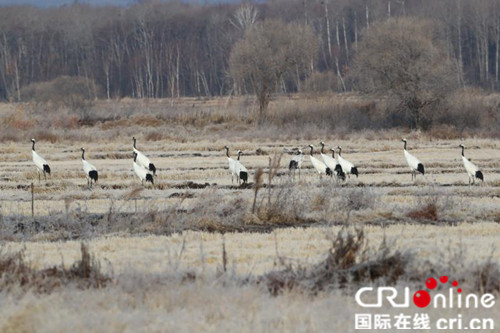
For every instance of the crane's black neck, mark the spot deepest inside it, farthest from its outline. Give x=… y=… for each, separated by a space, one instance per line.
x=227 y=152
x=333 y=153
x=322 y=147
x=405 y=145
x=239 y=154
x=340 y=151
x=83 y=154
x=134 y=142
x=311 y=150
x=135 y=157
x=33 y=145
x=463 y=148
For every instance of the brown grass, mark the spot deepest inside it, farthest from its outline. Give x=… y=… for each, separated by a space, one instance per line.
x=85 y=273
x=295 y=116
x=427 y=212
x=347 y=264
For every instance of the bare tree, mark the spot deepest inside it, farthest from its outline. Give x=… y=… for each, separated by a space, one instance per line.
x=245 y=17
x=269 y=51
x=400 y=58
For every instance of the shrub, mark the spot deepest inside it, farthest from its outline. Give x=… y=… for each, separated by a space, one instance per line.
x=425 y=212
x=73 y=92
x=85 y=273
x=346 y=264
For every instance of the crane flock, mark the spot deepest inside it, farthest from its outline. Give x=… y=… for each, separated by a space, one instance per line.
x=337 y=168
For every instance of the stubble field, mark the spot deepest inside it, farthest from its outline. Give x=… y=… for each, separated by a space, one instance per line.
x=191 y=254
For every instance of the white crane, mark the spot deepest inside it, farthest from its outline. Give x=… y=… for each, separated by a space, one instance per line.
x=296 y=163
x=319 y=166
x=332 y=163
x=472 y=170
x=142 y=159
x=232 y=165
x=40 y=163
x=142 y=173
x=413 y=162
x=347 y=166
x=90 y=170
x=241 y=170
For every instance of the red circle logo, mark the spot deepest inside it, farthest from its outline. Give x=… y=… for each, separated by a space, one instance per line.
x=422 y=298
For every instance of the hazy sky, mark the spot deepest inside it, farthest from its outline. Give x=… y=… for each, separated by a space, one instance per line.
x=48 y=3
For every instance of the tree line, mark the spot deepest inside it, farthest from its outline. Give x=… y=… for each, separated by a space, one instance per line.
x=172 y=49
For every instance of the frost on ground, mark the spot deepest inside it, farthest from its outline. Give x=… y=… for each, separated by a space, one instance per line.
x=199 y=253
x=292 y=279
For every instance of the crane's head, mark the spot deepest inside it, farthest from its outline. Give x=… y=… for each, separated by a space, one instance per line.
x=462 y=145
x=32 y=140
x=226 y=147
x=339 y=147
x=311 y=146
x=403 y=140
x=299 y=152
x=322 y=143
x=83 y=149
x=239 y=152
x=331 y=149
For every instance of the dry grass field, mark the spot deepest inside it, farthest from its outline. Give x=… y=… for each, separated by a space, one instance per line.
x=162 y=246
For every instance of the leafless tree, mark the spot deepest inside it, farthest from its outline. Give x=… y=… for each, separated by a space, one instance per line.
x=401 y=59
x=245 y=17
x=268 y=52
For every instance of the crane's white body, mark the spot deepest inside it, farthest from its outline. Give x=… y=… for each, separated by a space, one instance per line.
x=142 y=173
x=296 y=163
x=318 y=165
x=143 y=160
x=329 y=161
x=232 y=166
x=345 y=164
x=240 y=169
x=40 y=163
x=89 y=170
x=38 y=160
x=299 y=159
x=472 y=170
x=332 y=163
x=347 y=167
x=87 y=167
x=413 y=162
x=470 y=167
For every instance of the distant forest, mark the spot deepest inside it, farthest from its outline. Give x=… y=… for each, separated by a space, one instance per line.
x=157 y=49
